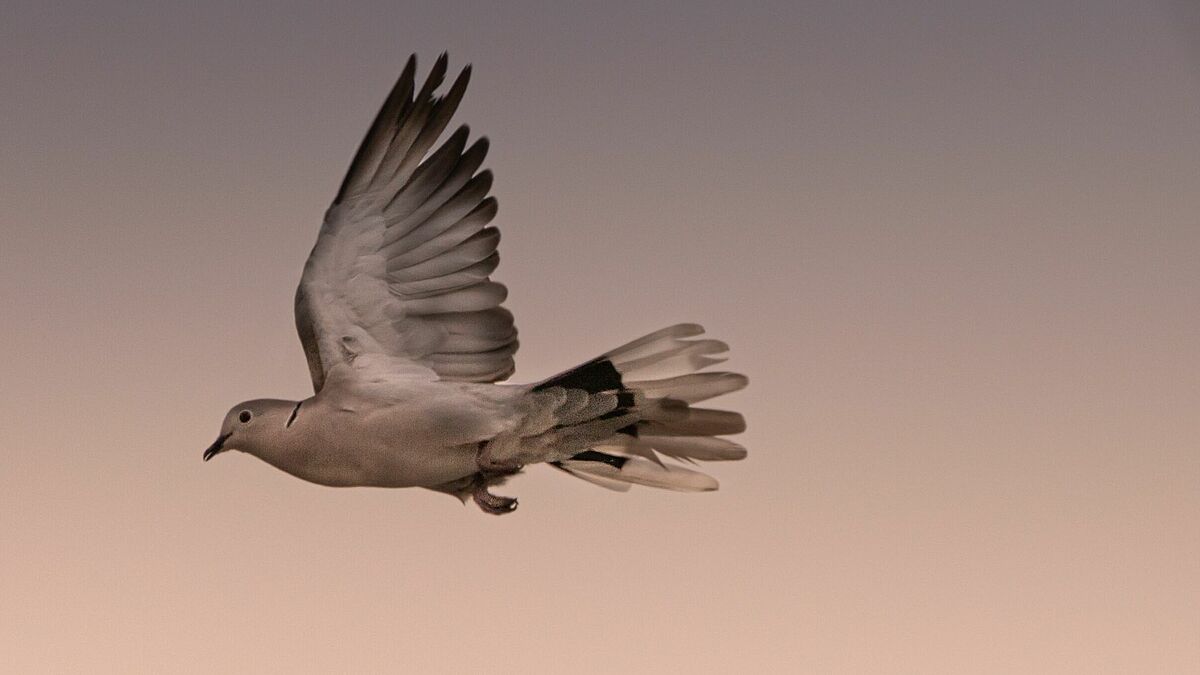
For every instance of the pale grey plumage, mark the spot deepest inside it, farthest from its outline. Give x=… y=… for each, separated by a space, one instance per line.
x=405 y=338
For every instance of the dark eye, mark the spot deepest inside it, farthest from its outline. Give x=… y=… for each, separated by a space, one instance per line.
x=244 y=416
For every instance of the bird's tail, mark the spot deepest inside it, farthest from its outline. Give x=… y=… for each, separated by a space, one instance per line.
x=655 y=377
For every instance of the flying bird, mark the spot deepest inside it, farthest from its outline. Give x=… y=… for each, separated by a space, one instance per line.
x=406 y=342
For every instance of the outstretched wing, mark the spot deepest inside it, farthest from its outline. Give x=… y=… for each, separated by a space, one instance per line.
x=402 y=263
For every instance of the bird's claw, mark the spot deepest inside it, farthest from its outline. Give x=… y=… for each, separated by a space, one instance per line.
x=490 y=503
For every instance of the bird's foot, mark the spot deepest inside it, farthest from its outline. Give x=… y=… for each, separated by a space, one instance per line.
x=492 y=472
x=490 y=503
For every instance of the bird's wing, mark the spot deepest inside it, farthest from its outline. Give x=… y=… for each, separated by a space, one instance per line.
x=402 y=263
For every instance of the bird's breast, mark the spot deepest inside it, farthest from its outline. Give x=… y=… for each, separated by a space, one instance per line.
x=382 y=448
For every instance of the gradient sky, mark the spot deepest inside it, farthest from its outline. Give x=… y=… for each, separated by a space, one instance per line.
x=955 y=246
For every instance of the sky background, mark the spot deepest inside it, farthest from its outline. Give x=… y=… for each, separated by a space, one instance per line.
x=953 y=244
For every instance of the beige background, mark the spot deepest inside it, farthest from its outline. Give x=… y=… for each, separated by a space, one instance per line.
x=956 y=246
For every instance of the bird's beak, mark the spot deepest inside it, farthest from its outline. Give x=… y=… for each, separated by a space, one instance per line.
x=216 y=447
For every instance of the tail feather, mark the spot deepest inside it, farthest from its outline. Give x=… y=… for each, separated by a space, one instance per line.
x=692 y=388
x=702 y=448
x=653 y=379
x=695 y=422
x=678 y=360
x=595 y=479
x=641 y=471
x=655 y=342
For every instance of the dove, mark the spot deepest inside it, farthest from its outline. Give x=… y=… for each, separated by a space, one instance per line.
x=408 y=345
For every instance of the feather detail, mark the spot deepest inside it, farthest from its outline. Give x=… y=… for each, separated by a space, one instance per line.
x=640 y=471
x=474 y=249
x=691 y=388
x=603 y=481
x=666 y=421
x=407 y=242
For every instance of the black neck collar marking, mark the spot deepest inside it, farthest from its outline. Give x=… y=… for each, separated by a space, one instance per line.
x=293 y=417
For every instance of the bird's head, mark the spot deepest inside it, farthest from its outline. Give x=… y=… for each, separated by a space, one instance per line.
x=251 y=426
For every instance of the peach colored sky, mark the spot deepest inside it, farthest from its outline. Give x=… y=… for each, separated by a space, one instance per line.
x=955 y=245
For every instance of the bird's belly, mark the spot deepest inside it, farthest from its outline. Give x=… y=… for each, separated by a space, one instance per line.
x=417 y=466
x=346 y=463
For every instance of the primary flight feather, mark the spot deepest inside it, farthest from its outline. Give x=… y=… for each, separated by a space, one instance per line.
x=406 y=339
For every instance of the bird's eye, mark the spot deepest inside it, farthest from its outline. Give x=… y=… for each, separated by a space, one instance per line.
x=244 y=416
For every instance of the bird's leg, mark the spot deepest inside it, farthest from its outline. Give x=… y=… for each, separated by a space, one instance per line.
x=492 y=472
x=497 y=457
